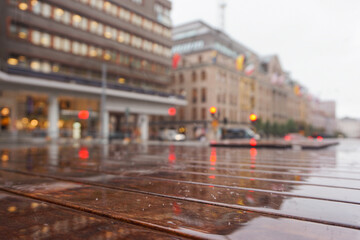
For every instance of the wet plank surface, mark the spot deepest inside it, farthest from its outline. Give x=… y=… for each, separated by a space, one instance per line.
x=186 y=192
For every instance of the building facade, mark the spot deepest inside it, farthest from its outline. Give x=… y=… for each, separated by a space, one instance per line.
x=208 y=76
x=59 y=58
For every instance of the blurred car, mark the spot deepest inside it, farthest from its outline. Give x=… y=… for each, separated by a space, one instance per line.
x=172 y=135
x=239 y=133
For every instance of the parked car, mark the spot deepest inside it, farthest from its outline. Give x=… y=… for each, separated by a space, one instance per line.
x=239 y=133
x=171 y=135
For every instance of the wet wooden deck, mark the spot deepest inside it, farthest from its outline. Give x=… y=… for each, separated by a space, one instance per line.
x=179 y=192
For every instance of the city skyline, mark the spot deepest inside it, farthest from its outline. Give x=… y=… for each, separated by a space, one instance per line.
x=310 y=49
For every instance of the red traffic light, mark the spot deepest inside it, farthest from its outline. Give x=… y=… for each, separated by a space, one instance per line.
x=83 y=114
x=213 y=110
x=172 y=111
x=253 y=117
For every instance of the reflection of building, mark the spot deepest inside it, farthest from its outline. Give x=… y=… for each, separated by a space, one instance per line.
x=52 y=54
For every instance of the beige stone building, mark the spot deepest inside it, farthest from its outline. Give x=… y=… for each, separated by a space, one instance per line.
x=208 y=74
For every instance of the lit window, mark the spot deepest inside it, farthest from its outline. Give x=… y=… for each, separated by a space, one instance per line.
x=36 y=7
x=83 y=49
x=57 y=43
x=58 y=14
x=136 y=19
x=35 y=37
x=76 y=20
x=66 y=17
x=100 y=29
x=45 y=39
x=108 y=32
x=66 y=46
x=46 y=10
x=107 y=6
x=93 y=26
x=12 y=61
x=92 y=51
x=75 y=47
x=35 y=65
x=147 y=24
x=125 y=15
x=55 y=68
x=45 y=67
x=23 y=6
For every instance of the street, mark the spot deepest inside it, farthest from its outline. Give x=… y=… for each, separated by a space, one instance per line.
x=166 y=191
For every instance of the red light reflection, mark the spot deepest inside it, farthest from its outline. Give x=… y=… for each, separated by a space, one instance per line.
x=212 y=177
x=287 y=138
x=253 y=142
x=320 y=138
x=213 y=157
x=83 y=153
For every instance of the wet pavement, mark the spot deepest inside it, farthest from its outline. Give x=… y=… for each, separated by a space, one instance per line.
x=178 y=192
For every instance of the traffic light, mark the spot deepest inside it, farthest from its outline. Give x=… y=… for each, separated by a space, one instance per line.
x=212 y=111
x=253 y=118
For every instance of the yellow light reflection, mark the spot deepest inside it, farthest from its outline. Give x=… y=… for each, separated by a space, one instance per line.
x=55 y=68
x=22 y=35
x=93 y=53
x=34 y=205
x=22 y=58
x=13 y=61
x=4 y=157
x=23 y=6
x=34 y=2
x=12 y=209
x=107 y=56
x=5 y=111
x=121 y=80
x=34 y=123
x=61 y=123
x=25 y=121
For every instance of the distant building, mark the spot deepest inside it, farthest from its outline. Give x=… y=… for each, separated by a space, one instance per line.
x=322 y=115
x=52 y=54
x=208 y=76
x=349 y=126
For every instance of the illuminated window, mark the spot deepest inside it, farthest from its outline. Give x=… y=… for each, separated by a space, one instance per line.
x=93 y=26
x=66 y=46
x=147 y=46
x=13 y=61
x=136 y=19
x=46 y=10
x=76 y=20
x=136 y=42
x=124 y=14
x=45 y=39
x=66 y=18
x=35 y=37
x=58 y=14
x=107 y=6
x=35 y=65
x=58 y=45
x=84 y=24
x=75 y=47
x=100 y=29
x=45 y=67
x=36 y=7
x=83 y=49
x=147 y=24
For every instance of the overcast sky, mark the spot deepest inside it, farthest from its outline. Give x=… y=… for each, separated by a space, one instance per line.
x=317 y=41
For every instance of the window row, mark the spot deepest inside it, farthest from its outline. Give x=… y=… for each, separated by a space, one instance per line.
x=94 y=27
x=82 y=49
x=131 y=17
x=44 y=66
